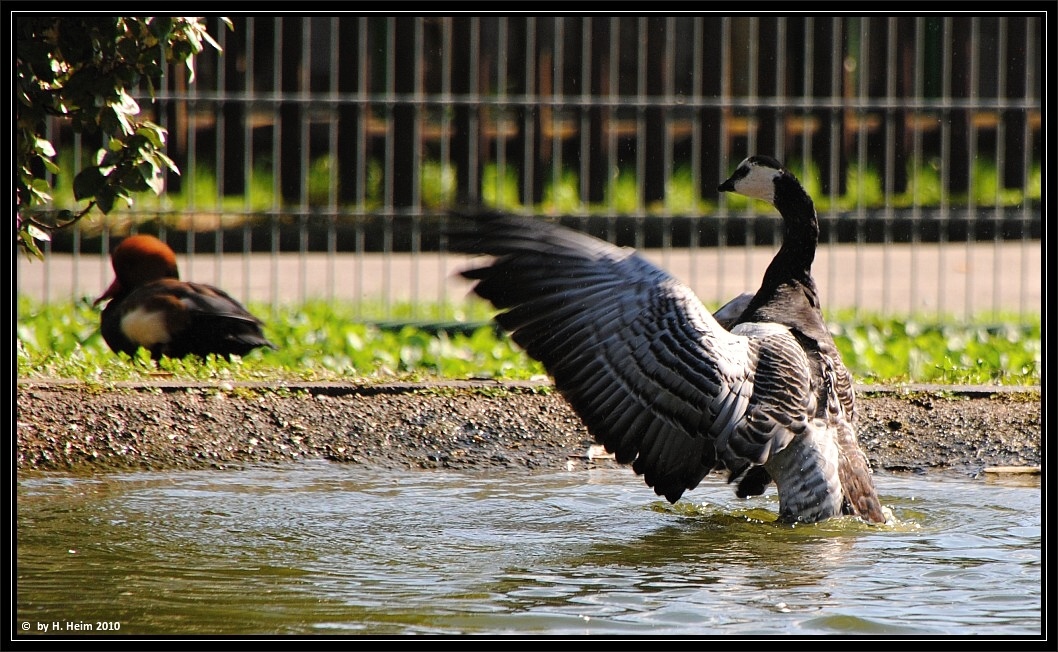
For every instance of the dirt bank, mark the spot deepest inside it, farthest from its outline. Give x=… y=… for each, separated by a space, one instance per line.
x=481 y=426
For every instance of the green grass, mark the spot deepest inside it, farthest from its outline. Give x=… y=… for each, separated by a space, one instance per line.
x=322 y=341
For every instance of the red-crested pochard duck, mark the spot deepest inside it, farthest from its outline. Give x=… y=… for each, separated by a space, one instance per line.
x=150 y=307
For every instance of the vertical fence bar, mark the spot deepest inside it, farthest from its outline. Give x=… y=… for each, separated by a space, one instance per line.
x=388 y=205
x=417 y=166
x=835 y=144
x=248 y=160
x=219 y=158
x=304 y=155
x=752 y=76
x=641 y=132
x=697 y=135
x=917 y=158
x=752 y=83
x=889 y=162
x=971 y=153
x=277 y=157
x=585 y=111
x=362 y=135
x=781 y=98
x=475 y=122
x=1032 y=60
x=667 y=120
x=1001 y=136
x=725 y=150
x=190 y=184
x=653 y=114
x=334 y=65
x=529 y=117
x=558 y=107
x=945 y=163
x=863 y=73
x=445 y=154
x=502 y=111
x=612 y=159
x=808 y=82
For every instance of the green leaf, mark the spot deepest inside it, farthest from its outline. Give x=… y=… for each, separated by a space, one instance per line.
x=123 y=195
x=125 y=105
x=123 y=120
x=40 y=191
x=154 y=133
x=169 y=163
x=209 y=39
x=37 y=233
x=161 y=26
x=88 y=183
x=136 y=180
x=42 y=146
x=110 y=158
x=38 y=196
x=153 y=176
x=105 y=199
x=30 y=244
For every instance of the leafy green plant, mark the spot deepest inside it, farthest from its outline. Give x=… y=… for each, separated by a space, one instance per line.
x=334 y=341
x=82 y=68
x=993 y=349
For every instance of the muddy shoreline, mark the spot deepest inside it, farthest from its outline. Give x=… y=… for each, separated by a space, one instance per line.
x=474 y=426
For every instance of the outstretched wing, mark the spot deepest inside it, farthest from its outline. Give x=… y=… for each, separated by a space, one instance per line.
x=651 y=373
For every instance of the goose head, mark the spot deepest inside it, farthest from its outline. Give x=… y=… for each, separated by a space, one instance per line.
x=764 y=178
x=756 y=178
x=137 y=261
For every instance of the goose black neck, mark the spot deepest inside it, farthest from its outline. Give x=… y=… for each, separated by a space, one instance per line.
x=800 y=232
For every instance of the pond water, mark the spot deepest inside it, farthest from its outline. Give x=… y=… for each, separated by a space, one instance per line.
x=321 y=548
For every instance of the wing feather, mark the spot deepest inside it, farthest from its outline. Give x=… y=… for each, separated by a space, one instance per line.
x=651 y=373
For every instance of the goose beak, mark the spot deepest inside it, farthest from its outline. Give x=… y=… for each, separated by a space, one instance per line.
x=727 y=186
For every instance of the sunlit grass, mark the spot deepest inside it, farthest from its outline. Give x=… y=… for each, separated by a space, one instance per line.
x=338 y=341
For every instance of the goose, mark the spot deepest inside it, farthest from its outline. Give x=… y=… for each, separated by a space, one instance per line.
x=660 y=382
x=788 y=295
x=149 y=306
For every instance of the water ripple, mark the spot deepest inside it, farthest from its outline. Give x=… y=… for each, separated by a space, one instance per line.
x=320 y=548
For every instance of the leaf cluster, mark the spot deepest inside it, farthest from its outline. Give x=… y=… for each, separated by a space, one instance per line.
x=84 y=69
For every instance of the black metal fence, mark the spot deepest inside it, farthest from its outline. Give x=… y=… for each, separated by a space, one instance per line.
x=353 y=134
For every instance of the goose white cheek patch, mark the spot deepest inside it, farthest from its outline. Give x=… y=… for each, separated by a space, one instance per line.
x=758 y=184
x=145 y=327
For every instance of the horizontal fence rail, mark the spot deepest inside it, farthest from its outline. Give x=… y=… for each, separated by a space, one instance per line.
x=319 y=155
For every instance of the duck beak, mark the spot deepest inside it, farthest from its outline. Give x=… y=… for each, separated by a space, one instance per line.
x=111 y=292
